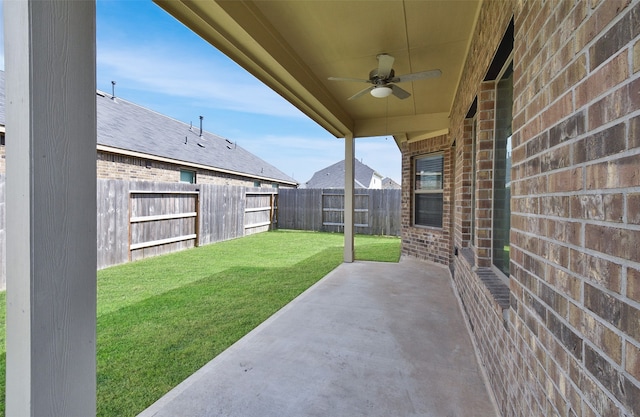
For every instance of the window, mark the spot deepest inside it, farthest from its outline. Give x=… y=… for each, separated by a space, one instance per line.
x=275 y=185
x=474 y=136
x=257 y=184
x=502 y=170
x=428 y=190
x=187 y=176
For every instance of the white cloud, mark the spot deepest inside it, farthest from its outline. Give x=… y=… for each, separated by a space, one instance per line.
x=208 y=81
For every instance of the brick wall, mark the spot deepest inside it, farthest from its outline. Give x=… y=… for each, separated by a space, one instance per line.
x=428 y=243
x=564 y=338
x=462 y=188
x=123 y=167
x=576 y=173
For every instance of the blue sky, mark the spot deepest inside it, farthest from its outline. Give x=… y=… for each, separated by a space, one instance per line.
x=160 y=64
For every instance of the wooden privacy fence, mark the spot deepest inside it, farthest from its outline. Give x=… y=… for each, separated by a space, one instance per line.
x=140 y=219
x=260 y=211
x=376 y=212
x=162 y=221
x=136 y=219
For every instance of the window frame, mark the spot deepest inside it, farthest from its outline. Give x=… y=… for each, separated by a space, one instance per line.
x=508 y=63
x=416 y=191
x=474 y=178
x=190 y=171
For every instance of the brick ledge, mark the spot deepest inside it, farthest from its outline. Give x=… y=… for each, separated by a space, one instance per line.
x=497 y=288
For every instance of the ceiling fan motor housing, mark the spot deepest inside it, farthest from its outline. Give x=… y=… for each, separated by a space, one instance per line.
x=377 y=80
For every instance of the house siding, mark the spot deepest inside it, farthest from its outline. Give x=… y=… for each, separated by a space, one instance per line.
x=563 y=337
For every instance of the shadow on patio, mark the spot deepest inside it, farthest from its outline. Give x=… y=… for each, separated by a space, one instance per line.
x=369 y=339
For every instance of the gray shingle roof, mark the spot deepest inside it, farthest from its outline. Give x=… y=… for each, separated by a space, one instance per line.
x=125 y=125
x=129 y=127
x=333 y=176
x=388 y=183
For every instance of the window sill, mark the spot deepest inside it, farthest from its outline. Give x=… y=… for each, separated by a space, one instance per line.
x=496 y=286
x=420 y=226
x=498 y=289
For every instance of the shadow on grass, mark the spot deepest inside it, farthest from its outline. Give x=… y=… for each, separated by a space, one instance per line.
x=146 y=349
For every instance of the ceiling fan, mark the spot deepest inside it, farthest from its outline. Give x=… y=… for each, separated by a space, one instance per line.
x=384 y=79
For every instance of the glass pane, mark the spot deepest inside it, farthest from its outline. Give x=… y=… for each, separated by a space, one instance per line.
x=429 y=173
x=428 y=210
x=502 y=171
x=187 y=176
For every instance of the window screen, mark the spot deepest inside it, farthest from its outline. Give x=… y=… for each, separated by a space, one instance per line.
x=428 y=186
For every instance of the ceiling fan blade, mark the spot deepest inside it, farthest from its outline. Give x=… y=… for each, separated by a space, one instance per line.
x=361 y=93
x=385 y=62
x=399 y=92
x=417 y=76
x=357 y=80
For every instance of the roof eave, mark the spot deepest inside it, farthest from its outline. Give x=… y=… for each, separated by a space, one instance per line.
x=241 y=32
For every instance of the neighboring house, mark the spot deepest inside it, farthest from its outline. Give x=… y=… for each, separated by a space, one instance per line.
x=389 y=184
x=333 y=177
x=135 y=143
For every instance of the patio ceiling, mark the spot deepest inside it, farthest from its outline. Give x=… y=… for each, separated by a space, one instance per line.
x=293 y=46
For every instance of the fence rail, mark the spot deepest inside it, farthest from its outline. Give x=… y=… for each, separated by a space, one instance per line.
x=260 y=212
x=376 y=212
x=141 y=219
x=162 y=221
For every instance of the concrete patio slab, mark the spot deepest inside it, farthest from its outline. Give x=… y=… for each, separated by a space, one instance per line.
x=369 y=339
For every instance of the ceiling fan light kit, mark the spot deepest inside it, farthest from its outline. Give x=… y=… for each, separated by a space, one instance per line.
x=381 y=92
x=383 y=79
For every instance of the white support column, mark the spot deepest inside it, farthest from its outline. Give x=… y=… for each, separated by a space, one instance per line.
x=51 y=207
x=349 y=174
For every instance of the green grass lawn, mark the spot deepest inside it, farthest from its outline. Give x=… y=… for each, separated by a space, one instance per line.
x=161 y=319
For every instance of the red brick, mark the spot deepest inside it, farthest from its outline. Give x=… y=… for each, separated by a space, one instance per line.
x=634 y=133
x=604 y=273
x=633 y=284
x=619 y=173
x=607 y=77
x=559 y=110
x=632 y=360
x=567 y=180
x=604 y=143
x=603 y=338
x=633 y=208
x=636 y=57
x=618 y=103
x=597 y=207
x=617 y=36
x=618 y=242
